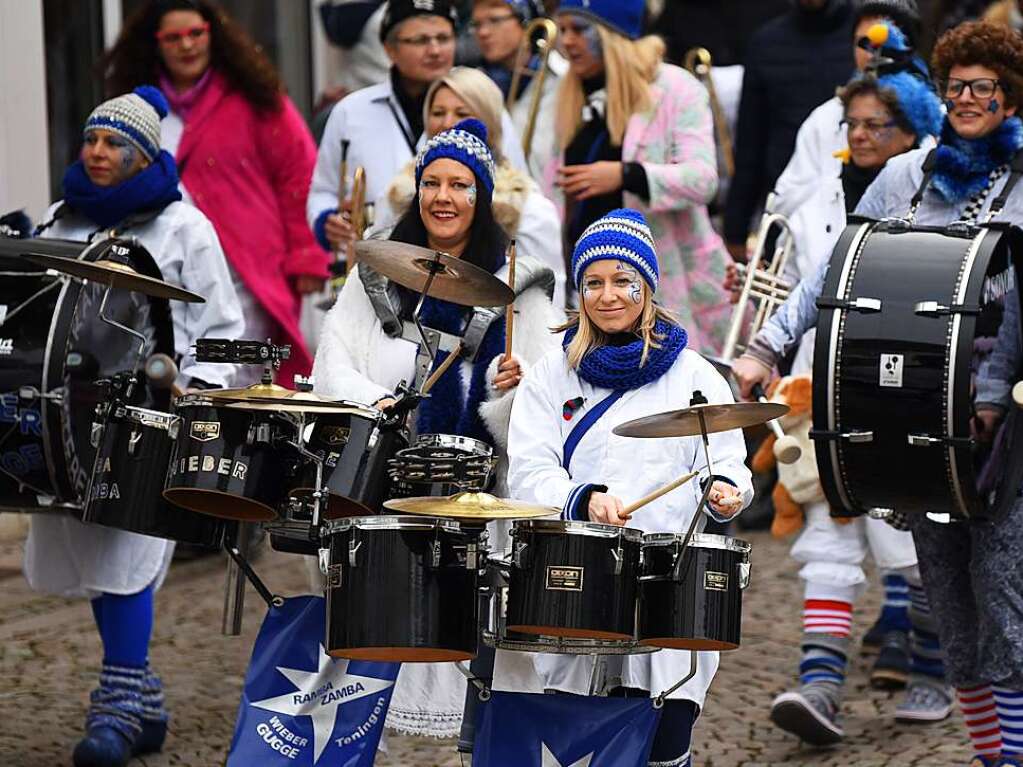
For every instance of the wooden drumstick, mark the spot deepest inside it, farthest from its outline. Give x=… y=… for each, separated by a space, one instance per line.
x=632 y=507
x=442 y=368
x=509 y=317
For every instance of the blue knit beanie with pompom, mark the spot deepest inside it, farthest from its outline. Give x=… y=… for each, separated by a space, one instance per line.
x=135 y=116
x=466 y=143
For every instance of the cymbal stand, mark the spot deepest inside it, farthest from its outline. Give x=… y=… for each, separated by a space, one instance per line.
x=698 y=518
x=234 y=596
x=693 y=664
x=435 y=267
x=132 y=380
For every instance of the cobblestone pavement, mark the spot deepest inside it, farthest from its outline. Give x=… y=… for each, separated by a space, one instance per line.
x=49 y=651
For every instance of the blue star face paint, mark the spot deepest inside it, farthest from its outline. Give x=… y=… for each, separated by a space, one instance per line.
x=993 y=106
x=593 y=42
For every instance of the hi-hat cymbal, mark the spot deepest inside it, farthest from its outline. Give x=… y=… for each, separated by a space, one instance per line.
x=479 y=506
x=115 y=275
x=454 y=280
x=686 y=422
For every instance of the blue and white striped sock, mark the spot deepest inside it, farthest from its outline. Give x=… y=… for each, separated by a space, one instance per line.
x=926 y=656
x=895 y=608
x=1009 y=705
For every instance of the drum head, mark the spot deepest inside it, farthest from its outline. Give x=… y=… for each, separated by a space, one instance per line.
x=402 y=654
x=220 y=505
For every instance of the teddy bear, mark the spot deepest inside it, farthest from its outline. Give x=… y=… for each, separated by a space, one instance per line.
x=798 y=482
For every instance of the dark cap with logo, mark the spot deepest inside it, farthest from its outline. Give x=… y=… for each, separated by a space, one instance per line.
x=399 y=10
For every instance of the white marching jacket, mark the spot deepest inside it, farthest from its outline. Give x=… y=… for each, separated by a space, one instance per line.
x=356 y=360
x=630 y=468
x=66 y=557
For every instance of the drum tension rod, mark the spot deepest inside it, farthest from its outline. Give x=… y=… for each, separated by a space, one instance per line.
x=271 y=599
x=482 y=690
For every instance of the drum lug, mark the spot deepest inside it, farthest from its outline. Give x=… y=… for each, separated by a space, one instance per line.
x=744 y=575
x=861 y=304
x=471 y=557
x=934 y=309
x=333 y=577
x=353 y=550
x=518 y=556
x=259 y=434
x=618 y=557
x=849 y=436
x=96 y=434
x=925 y=440
x=435 y=553
x=324 y=559
x=133 y=441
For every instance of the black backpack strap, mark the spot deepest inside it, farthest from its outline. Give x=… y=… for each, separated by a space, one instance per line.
x=928 y=168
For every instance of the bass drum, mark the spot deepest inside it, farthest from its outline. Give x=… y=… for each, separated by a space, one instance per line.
x=904 y=312
x=53 y=349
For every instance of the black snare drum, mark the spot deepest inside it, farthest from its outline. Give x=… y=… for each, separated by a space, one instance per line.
x=901 y=311
x=441 y=465
x=134 y=450
x=573 y=579
x=401 y=589
x=53 y=349
x=355 y=447
x=229 y=463
x=692 y=600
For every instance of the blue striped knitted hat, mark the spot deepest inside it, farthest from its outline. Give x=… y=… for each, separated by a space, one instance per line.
x=621 y=235
x=135 y=116
x=466 y=143
x=623 y=16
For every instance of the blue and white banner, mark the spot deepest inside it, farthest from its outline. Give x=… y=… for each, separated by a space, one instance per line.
x=302 y=707
x=528 y=730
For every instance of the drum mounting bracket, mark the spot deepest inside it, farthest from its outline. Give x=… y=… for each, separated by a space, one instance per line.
x=926 y=440
x=935 y=309
x=862 y=304
x=849 y=436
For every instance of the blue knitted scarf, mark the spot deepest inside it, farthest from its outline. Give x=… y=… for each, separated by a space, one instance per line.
x=154 y=187
x=617 y=367
x=448 y=410
x=962 y=166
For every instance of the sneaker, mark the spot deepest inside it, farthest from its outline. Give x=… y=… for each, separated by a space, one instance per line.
x=981 y=760
x=810 y=714
x=925 y=701
x=1009 y=760
x=891 y=669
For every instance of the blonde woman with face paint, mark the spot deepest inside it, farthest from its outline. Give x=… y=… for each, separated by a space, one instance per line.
x=623 y=357
x=124 y=183
x=519 y=206
x=369 y=345
x=634 y=131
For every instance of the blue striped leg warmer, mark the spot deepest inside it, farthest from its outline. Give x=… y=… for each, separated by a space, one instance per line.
x=926 y=655
x=1009 y=705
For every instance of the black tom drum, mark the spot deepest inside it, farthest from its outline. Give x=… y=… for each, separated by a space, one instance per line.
x=691 y=599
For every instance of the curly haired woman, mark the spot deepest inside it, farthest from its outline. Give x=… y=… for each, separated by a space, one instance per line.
x=244 y=154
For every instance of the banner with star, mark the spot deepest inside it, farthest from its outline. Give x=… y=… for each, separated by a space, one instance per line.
x=530 y=730
x=300 y=706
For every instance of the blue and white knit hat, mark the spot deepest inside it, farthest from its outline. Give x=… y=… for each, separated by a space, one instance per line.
x=527 y=10
x=623 y=16
x=135 y=116
x=621 y=235
x=466 y=143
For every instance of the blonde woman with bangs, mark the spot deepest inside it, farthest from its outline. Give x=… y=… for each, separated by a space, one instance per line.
x=520 y=208
x=622 y=357
x=634 y=131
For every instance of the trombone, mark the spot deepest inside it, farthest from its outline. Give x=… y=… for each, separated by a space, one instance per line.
x=699 y=62
x=545 y=33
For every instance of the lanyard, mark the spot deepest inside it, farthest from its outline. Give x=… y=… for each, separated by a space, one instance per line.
x=406 y=132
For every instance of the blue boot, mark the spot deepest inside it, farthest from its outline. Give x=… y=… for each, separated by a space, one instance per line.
x=114 y=722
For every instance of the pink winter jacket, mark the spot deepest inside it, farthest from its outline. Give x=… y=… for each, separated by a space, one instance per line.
x=249 y=172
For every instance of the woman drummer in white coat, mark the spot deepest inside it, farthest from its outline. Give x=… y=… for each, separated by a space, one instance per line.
x=369 y=345
x=623 y=358
x=123 y=183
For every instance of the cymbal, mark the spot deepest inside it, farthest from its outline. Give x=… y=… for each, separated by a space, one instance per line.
x=259 y=391
x=686 y=422
x=480 y=506
x=115 y=275
x=454 y=280
x=304 y=402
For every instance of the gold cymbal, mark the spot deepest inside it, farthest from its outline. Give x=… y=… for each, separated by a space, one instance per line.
x=259 y=391
x=454 y=280
x=116 y=275
x=277 y=399
x=686 y=422
x=481 y=506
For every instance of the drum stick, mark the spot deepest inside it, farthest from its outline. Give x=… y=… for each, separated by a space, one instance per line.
x=632 y=507
x=509 y=317
x=442 y=368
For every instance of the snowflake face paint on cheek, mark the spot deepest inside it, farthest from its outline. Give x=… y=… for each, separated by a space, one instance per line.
x=470 y=195
x=635 y=289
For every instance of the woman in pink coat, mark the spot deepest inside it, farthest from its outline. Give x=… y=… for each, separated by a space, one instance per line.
x=636 y=132
x=244 y=155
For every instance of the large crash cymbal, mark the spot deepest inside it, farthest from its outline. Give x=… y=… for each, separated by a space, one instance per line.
x=304 y=402
x=686 y=422
x=259 y=391
x=454 y=280
x=115 y=275
x=477 y=506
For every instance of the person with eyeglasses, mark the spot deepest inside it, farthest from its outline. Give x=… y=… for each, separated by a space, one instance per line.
x=381 y=127
x=972 y=571
x=886 y=111
x=499 y=26
x=244 y=153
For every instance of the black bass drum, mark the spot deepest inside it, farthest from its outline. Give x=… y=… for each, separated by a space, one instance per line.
x=53 y=349
x=902 y=313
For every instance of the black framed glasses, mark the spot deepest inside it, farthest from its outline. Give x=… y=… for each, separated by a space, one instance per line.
x=442 y=40
x=980 y=87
